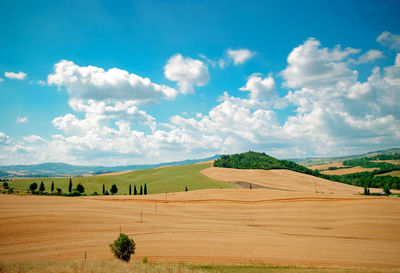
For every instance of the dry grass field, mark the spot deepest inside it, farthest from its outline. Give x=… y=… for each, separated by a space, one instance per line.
x=326 y=166
x=356 y=169
x=292 y=226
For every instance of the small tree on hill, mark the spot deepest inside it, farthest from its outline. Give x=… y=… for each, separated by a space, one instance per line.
x=52 y=186
x=5 y=185
x=59 y=191
x=134 y=190
x=123 y=247
x=145 y=189
x=114 y=189
x=70 y=185
x=186 y=189
x=106 y=193
x=80 y=188
x=41 y=187
x=130 y=190
x=141 y=190
x=104 y=189
x=33 y=187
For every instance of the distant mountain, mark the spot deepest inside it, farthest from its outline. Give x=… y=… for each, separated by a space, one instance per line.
x=65 y=170
x=328 y=160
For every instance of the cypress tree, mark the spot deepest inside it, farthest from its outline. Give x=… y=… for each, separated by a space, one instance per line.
x=41 y=187
x=70 y=185
x=114 y=189
x=104 y=190
x=130 y=190
x=186 y=189
x=134 y=190
x=141 y=190
x=145 y=189
x=52 y=186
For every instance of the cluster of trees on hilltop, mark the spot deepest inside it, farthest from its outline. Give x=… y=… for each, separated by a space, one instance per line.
x=254 y=160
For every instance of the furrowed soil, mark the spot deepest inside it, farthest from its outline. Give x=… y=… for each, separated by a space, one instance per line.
x=287 y=225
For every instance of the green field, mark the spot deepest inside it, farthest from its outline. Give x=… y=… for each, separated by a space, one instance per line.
x=117 y=266
x=160 y=180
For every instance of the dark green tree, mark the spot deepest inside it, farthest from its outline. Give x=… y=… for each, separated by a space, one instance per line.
x=134 y=190
x=33 y=186
x=52 y=186
x=130 y=190
x=114 y=189
x=59 y=191
x=141 y=190
x=41 y=187
x=106 y=193
x=186 y=189
x=80 y=188
x=5 y=185
x=123 y=247
x=145 y=189
x=70 y=185
x=104 y=189
x=386 y=189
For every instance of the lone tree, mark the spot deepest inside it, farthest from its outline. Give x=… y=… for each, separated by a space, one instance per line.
x=134 y=190
x=80 y=188
x=52 y=186
x=141 y=190
x=59 y=191
x=130 y=190
x=114 y=189
x=70 y=185
x=123 y=247
x=33 y=187
x=145 y=189
x=41 y=187
x=186 y=189
x=5 y=185
x=104 y=189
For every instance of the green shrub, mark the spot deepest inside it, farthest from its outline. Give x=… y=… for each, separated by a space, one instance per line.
x=123 y=247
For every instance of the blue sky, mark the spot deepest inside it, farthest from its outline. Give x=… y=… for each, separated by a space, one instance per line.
x=130 y=82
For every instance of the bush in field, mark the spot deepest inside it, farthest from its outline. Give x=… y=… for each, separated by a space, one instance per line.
x=5 y=185
x=59 y=191
x=123 y=247
x=114 y=189
x=80 y=188
x=33 y=186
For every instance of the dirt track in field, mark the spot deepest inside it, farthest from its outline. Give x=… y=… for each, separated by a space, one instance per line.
x=210 y=226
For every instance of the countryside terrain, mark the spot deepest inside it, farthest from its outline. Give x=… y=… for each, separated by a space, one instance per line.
x=238 y=218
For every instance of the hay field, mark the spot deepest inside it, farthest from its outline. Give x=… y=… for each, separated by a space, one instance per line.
x=225 y=226
x=326 y=166
x=356 y=169
x=393 y=173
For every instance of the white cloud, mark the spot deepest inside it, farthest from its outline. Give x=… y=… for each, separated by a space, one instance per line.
x=34 y=139
x=4 y=139
x=390 y=40
x=370 y=56
x=187 y=72
x=95 y=83
x=260 y=89
x=312 y=66
x=17 y=76
x=22 y=120
x=240 y=56
x=41 y=82
x=1 y=80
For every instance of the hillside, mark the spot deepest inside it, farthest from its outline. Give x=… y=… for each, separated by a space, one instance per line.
x=158 y=180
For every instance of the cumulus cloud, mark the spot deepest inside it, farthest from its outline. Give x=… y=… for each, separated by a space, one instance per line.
x=390 y=40
x=240 y=56
x=22 y=120
x=370 y=56
x=91 y=82
x=4 y=139
x=312 y=66
x=259 y=88
x=187 y=72
x=17 y=76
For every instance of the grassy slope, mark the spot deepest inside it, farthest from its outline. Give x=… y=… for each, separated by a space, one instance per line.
x=117 y=266
x=160 y=180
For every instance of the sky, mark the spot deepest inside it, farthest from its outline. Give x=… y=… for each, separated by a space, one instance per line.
x=135 y=82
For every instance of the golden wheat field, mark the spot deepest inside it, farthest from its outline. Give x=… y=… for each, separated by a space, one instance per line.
x=278 y=224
